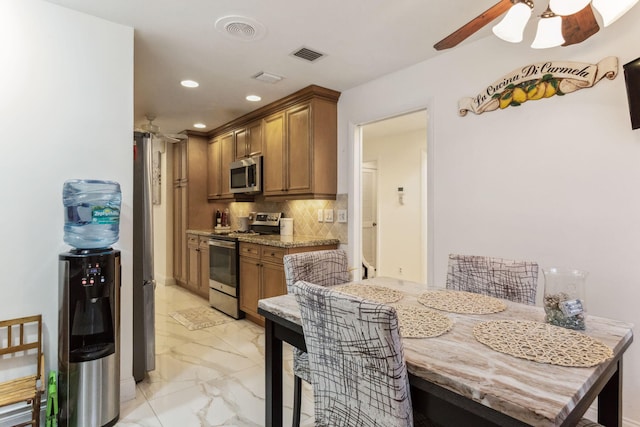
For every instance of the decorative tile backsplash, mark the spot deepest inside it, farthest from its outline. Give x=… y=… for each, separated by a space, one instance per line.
x=304 y=214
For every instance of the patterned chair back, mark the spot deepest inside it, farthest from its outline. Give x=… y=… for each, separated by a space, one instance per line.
x=324 y=268
x=356 y=358
x=501 y=278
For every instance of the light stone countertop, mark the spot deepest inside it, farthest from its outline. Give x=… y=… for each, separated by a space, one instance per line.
x=294 y=241
x=535 y=393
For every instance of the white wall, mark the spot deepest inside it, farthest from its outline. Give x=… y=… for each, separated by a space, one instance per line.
x=555 y=180
x=399 y=159
x=66 y=111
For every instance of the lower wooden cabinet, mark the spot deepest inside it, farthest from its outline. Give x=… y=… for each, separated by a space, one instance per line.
x=262 y=274
x=198 y=265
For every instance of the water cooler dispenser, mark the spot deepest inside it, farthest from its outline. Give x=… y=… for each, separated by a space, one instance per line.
x=89 y=337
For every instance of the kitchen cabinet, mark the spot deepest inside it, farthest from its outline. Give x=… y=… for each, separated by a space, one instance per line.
x=300 y=152
x=220 y=154
x=198 y=264
x=248 y=140
x=262 y=274
x=190 y=209
x=297 y=136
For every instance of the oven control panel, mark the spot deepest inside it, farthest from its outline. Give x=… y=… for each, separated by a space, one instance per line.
x=267 y=218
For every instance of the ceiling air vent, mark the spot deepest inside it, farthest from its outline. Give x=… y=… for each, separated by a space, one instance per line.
x=267 y=78
x=307 y=54
x=240 y=28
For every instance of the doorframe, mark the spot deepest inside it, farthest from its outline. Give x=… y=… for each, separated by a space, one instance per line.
x=355 y=177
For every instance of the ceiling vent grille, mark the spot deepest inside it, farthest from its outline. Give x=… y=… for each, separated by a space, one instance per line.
x=267 y=77
x=308 y=54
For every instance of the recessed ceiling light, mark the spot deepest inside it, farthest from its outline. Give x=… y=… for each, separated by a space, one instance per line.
x=253 y=98
x=199 y=125
x=189 y=83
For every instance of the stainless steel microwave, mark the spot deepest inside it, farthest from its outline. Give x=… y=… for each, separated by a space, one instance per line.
x=245 y=176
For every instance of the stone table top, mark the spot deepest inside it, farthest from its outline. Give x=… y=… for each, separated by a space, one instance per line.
x=535 y=393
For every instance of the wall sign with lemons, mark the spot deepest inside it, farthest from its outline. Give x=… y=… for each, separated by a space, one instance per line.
x=537 y=81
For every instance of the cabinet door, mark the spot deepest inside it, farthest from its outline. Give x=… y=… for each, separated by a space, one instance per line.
x=213 y=169
x=241 y=137
x=249 y=285
x=203 y=285
x=299 y=157
x=254 y=138
x=179 y=233
x=193 y=261
x=274 y=154
x=273 y=281
x=226 y=157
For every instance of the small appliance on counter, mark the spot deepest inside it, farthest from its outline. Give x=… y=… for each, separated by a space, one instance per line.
x=224 y=262
x=286 y=226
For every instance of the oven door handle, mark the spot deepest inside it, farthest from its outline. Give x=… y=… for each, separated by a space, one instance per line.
x=222 y=244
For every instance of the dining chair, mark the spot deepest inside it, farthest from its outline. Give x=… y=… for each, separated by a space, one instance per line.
x=358 y=370
x=324 y=268
x=497 y=277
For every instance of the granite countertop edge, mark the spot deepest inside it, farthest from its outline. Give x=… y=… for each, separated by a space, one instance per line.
x=275 y=240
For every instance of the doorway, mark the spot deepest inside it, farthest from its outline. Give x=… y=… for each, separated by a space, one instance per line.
x=393 y=197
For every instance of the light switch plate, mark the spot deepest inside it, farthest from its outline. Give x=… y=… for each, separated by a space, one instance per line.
x=328 y=215
x=342 y=215
x=320 y=215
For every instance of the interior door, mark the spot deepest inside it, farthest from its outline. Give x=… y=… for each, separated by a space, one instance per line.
x=370 y=218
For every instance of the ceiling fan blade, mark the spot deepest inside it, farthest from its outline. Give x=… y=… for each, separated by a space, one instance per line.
x=580 y=26
x=474 y=25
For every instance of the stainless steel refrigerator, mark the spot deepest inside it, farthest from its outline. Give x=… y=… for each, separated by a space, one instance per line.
x=143 y=280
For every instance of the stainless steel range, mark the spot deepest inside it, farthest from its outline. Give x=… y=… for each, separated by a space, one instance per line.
x=224 y=259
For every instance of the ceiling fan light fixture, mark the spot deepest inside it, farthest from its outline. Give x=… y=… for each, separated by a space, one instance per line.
x=611 y=10
x=549 y=32
x=511 y=28
x=567 y=7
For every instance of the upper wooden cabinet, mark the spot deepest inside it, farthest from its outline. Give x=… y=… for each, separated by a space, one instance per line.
x=248 y=140
x=297 y=137
x=300 y=152
x=220 y=154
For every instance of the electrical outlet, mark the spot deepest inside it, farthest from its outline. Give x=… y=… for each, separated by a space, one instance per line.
x=328 y=215
x=342 y=215
x=320 y=215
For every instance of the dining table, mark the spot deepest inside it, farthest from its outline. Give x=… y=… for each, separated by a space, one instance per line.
x=457 y=380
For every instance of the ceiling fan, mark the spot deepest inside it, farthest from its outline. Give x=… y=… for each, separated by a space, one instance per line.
x=577 y=25
x=155 y=131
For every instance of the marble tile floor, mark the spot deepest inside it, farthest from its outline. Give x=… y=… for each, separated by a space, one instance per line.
x=208 y=377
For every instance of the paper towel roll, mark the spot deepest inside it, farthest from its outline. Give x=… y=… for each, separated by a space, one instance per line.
x=286 y=226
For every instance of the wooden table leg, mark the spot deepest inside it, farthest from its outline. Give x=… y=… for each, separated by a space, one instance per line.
x=273 y=376
x=610 y=400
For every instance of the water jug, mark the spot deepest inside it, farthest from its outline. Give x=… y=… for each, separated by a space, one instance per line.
x=91 y=213
x=564 y=291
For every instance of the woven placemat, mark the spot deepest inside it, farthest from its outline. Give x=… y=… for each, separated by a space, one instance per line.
x=420 y=322
x=542 y=343
x=371 y=292
x=461 y=302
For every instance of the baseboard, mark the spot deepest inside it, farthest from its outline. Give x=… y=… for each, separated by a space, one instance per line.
x=127 y=389
x=165 y=280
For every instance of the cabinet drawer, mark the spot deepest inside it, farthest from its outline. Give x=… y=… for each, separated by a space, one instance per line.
x=272 y=254
x=250 y=250
x=192 y=240
x=203 y=243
